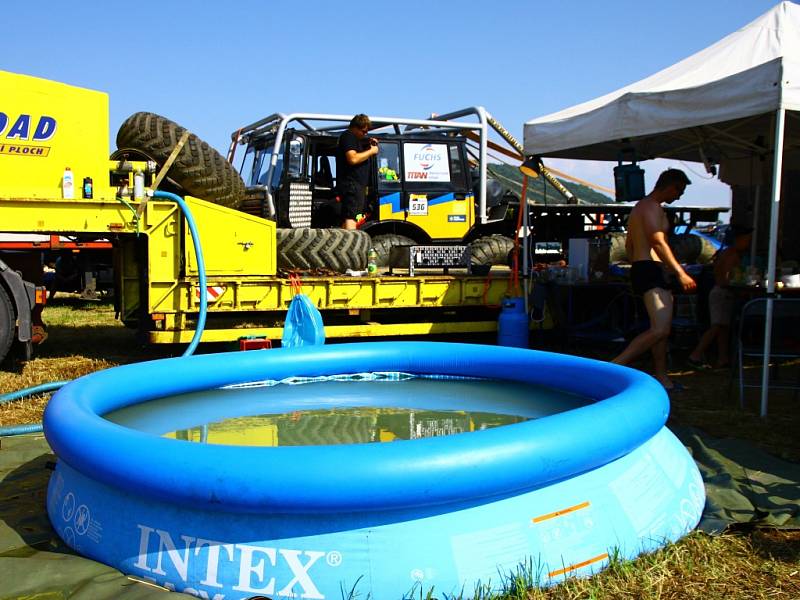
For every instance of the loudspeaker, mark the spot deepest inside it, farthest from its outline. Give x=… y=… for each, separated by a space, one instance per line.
x=628 y=182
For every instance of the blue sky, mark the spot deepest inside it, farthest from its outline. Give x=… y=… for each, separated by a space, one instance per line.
x=213 y=67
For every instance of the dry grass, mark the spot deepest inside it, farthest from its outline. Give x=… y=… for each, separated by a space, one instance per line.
x=712 y=404
x=763 y=564
x=36 y=372
x=84 y=337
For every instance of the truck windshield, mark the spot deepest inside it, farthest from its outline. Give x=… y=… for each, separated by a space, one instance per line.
x=257 y=174
x=263 y=157
x=246 y=169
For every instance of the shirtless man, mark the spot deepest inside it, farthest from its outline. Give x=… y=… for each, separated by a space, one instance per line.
x=649 y=254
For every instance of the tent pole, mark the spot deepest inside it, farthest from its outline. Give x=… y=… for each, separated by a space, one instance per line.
x=523 y=205
x=756 y=208
x=777 y=171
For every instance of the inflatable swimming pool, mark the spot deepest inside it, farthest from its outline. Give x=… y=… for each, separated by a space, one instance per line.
x=555 y=496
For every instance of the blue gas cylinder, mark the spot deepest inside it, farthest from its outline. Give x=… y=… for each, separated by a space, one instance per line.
x=512 y=325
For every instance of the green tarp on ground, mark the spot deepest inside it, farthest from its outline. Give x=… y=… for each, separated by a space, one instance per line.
x=743 y=484
x=34 y=562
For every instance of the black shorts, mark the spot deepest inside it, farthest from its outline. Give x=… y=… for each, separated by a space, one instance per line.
x=647 y=275
x=353 y=195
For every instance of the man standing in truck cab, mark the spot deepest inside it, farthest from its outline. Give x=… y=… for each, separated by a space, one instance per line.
x=352 y=168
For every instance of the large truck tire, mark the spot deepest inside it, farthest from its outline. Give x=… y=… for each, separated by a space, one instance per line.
x=198 y=169
x=334 y=249
x=383 y=244
x=687 y=248
x=7 y=323
x=491 y=250
x=692 y=249
x=617 y=252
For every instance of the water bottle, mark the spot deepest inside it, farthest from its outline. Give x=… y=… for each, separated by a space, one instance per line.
x=372 y=261
x=68 y=184
x=87 y=187
x=138 y=185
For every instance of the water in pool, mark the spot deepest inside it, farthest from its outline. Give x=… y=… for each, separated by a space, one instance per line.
x=343 y=411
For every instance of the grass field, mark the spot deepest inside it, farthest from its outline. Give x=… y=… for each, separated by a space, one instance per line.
x=85 y=337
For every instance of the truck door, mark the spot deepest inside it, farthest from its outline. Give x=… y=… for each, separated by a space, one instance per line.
x=436 y=195
x=390 y=198
x=322 y=167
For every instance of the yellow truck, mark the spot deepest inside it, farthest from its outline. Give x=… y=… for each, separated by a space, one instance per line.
x=58 y=178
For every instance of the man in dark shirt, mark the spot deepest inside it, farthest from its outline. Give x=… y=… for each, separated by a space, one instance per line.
x=352 y=167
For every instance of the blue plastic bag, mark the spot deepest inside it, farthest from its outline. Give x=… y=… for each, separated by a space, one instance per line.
x=303 y=326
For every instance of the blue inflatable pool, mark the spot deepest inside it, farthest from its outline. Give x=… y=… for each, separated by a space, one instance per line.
x=557 y=495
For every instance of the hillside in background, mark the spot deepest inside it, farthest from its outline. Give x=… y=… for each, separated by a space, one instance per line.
x=511 y=177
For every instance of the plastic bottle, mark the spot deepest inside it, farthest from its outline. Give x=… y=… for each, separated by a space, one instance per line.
x=88 y=190
x=372 y=261
x=138 y=185
x=68 y=184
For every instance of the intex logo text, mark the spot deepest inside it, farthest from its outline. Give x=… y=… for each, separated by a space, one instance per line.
x=251 y=560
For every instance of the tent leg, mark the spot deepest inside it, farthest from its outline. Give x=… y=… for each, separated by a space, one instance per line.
x=524 y=203
x=756 y=208
x=777 y=171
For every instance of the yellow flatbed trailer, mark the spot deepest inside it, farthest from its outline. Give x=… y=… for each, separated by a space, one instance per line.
x=157 y=271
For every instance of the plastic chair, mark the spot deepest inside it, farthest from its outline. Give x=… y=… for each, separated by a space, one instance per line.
x=685 y=321
x=619 y=322
x=785 y=339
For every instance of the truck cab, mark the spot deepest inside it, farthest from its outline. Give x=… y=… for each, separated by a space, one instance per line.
x=420 y=184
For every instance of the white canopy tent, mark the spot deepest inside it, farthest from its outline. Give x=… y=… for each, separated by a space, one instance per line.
x=725 y=103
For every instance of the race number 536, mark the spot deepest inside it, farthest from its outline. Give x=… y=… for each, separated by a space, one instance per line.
x=418 y=205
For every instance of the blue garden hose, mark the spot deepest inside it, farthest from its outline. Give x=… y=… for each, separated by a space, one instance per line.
x=198 y=332
x=20 y=429
x=32 y=391
x=201 y=268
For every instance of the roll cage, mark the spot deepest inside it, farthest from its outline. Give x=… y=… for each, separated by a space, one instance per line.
x=267 y=137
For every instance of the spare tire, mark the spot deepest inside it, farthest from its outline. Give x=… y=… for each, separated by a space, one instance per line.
x=693 y=249
x=491 y=250
x=334 y=249
x=617 y=253
x=687 y=248
x=199 y=169
x=7 y=323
